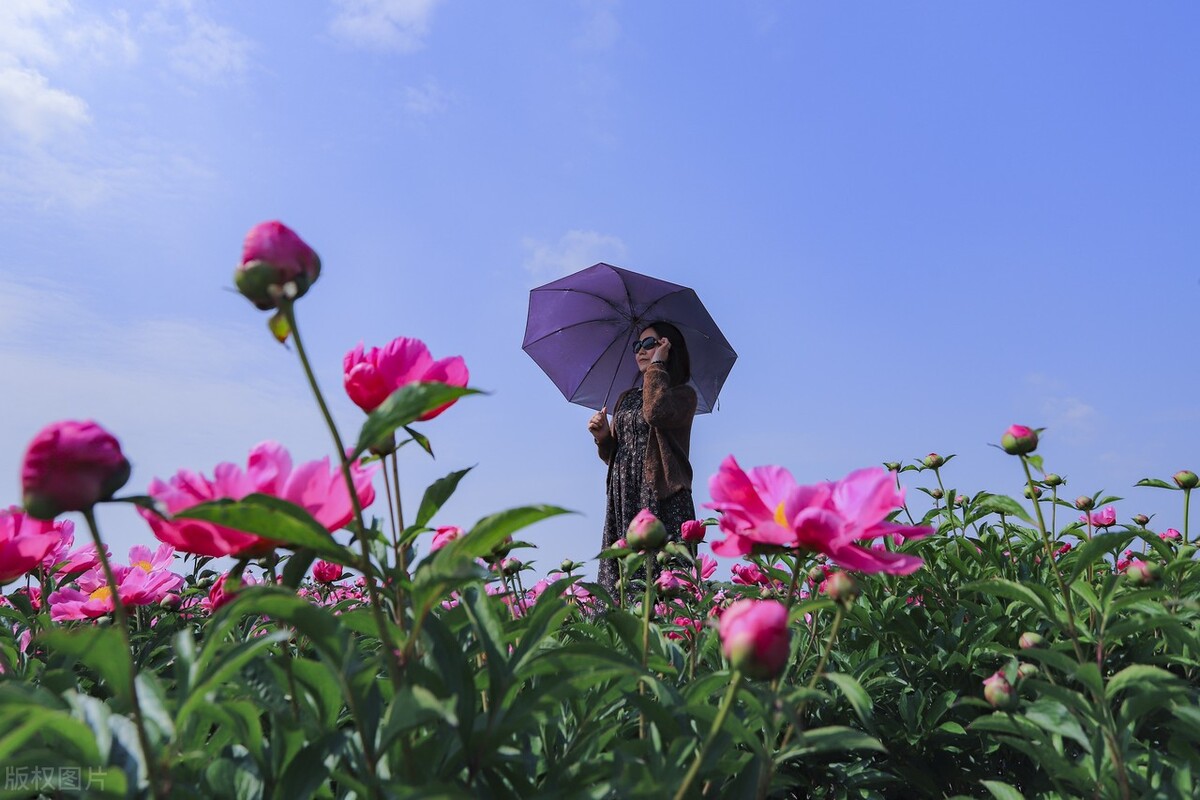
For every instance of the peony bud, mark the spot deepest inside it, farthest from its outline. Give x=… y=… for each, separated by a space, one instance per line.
x=1031 y=492
x=1143 y=573
x=1141 y=520
x=1084 y=503
x=936 y=494
x=755 y=637
x=567 y=566
x=933 y=461
x=1026 y=670
x=998 y=691
x=1030 y=640
x=511 y=566
x=1019 y=440
x=692 y=531
x=1054 y=480
x=71 y=466
x=817 y=574
x=1170 y=535
x=272 y=257
x=646 y=532
x=327 y=572
x=891 y=466
x=1186 y=479
x=841 y=588
x=960 y=500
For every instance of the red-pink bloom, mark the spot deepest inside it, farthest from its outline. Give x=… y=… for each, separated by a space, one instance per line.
x=708 y=566
x=66 y=563
x=668 y=581
x=71 y=466
x=372 y=375
x=224 y=591
x=313 y=486
x=327 y=572
x=136 y=586
x=768 y=508
x=24 y=543
x=749 y=575
x=272 y=256
x=1102 y=518
x=755 y=637
x=692 y=531
x=444 y=536
x=1169 y=534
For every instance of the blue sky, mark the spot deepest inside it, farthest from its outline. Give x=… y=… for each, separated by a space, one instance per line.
x=916 y=223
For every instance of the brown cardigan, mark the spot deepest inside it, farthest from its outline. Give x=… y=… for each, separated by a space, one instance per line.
x=669 y=410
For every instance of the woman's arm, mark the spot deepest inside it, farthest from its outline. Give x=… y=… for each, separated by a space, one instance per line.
x=663 y=405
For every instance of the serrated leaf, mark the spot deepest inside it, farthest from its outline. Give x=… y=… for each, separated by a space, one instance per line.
x=402 y=407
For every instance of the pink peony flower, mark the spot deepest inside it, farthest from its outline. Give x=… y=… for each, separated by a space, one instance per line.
x=708 y=566
x=749 y=575
x=71 y=466
x=768 y=508
x=692 y=531
x=1101 y=519
x=668 y=581
x=224 y=591
x=327 y=572
x=25 y=543
x=272 y=256
x=755 y=637
x=136 y=586
x=312 y=486
x=646 y=532
x=1170 y=534
x=444 y=536
x=372 y=375
x=66 y=563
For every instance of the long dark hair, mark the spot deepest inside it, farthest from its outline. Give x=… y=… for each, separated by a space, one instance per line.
x=679 y=363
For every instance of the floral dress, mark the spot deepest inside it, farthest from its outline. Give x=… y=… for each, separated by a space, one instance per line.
x=628 y=491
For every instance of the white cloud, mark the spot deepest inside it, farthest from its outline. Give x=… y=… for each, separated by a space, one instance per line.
x=574 y=250
x=35 y=110
x=425 y=100
x=200 y=49
x=399 y=25
x=1063 y=414
x=601 y=29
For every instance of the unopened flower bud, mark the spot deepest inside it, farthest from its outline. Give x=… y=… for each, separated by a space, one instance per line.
x=567 y=566
x=1031 y=492
x=936 y=494
x=646 y=532
x=169 y=601
x=692 y=531
x=816 y=575
x=1084 y=503
x=1141 y=520
x=276 y=263
x=1053 y=480
x=71 y=466
x=511 y=566
x=960 y=500
x=1019 y=440
x=841 y=588
x=1143 y=573
x=1186 y=479
x=1030 y=640
x=1027 y=670
x=891 y=466
x=933 y=461
x=998 y=691
x=755 y=637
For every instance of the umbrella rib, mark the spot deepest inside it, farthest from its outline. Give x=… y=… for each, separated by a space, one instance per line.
x=583 y=380
x=564 y=328
x=601 y=298
x=657 y=300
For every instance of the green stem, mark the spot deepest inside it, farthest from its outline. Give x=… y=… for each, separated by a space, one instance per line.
x=791 y=595
x=1187 y=497
x=1041 y=520
x=122 y=620
x=401 y=547
x=713 y=732
x=833 y=632
x=647 y=604
x=385 y=635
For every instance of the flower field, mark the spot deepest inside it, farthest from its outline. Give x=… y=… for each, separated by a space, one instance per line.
x=977 y=646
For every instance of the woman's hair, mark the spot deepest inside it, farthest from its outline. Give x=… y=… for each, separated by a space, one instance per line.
x=679 y=364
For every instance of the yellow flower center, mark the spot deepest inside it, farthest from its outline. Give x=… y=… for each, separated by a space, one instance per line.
x=780 y=517
x=143 y=565
x=103 y=593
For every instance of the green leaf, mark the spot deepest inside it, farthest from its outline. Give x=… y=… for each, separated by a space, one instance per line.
x=830 y=739
x=101 y=649
x=1138 y=675
x=999 y=504
x=1013 y=591
x=860 y=701
x=1002 y=791
x=403 y=406
x=1156 y=483
x=490 y=532
x=1053 y=717
x=275 y=519
x=297 y=566
x=421 y=439
x=1092 y=551
x=437 y=494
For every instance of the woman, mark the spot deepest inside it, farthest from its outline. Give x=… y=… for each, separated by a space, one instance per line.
x=646 y=446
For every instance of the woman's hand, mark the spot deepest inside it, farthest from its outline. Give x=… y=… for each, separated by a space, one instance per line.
x=598 y=425
x=662 y=351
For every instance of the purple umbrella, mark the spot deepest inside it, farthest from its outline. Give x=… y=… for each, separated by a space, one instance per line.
x=581 y=330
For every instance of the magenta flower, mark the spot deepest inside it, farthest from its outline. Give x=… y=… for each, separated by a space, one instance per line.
x=313 y=486
x=767 y=508
x=1170 y=534
x=708 y=566
x=224 y=591
x=372 y=375
x=444 y=536
x=273 y=256
x=327 y=572
x=136 y=586
x=25 y=542
x=1101 y=519
x=668 y=581
x=692 y=531
x=71 y=466
x=749 y=575
x=755 y=637
x=66 y=563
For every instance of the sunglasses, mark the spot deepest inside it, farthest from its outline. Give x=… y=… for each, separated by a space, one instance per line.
x=645 y=344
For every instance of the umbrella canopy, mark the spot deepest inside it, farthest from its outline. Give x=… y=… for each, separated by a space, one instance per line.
x=581 y=330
